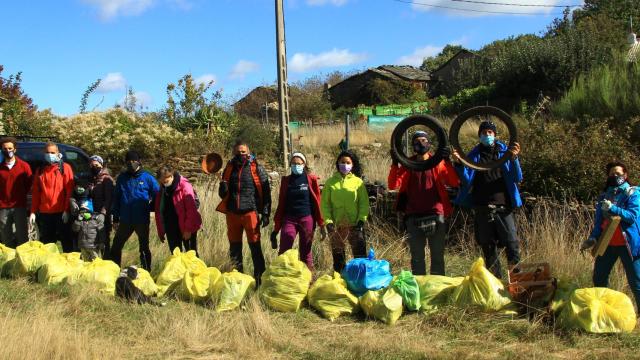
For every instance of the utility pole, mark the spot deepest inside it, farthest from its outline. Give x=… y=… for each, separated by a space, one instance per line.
x=283 y=88
x=347 y=130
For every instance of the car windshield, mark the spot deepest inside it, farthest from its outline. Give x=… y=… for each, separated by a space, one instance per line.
x=79 y=163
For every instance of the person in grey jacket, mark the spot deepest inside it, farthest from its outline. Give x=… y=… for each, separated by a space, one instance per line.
x=87 y=224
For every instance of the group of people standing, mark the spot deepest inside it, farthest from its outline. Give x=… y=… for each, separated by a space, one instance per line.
x=340 y=210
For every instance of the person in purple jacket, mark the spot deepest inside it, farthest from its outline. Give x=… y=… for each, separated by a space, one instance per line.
x=176 y=211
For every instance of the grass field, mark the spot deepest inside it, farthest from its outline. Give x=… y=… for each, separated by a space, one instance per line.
x=40 y=322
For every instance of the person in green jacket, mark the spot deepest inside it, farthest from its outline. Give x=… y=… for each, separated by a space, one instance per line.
x=345 y=207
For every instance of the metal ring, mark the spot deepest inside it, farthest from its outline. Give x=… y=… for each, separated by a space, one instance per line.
x=434 y=125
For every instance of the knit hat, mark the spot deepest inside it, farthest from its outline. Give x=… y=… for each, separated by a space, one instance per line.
x=132 y=155
x=419 y=134
x=487 y=125
x=97 y=158
x=299 y=155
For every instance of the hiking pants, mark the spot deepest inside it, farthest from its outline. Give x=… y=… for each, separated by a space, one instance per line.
x=418 y=239
x=494 y=229
x=604 y=264
x=51 y=228
x=123 y=234
x=9 y=218
x=291 y=227
x=339 y=238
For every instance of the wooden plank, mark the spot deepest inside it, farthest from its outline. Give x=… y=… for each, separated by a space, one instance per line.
x=605 y=237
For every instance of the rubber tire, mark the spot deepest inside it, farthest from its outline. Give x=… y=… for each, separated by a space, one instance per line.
x=482 y=110
x=434 y=125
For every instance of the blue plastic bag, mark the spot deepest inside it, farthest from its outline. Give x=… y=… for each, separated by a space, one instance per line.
x=367 y=274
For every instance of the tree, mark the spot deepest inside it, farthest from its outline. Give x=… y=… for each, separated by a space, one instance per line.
x=85 y=96
x=19 y=112
x=192 y=105
x=432 y=63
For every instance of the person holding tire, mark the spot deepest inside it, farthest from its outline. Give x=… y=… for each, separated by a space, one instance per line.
x=618 y=199
x=298 y=210
x=427 y=207
x=135 y=190
x=345 y=208
x=493 y=195
x=246 y=203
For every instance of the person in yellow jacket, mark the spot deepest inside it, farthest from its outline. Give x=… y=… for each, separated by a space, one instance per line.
x=345 y=207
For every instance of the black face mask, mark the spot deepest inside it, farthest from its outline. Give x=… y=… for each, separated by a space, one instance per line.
x=132 y=167
x=95 y=170
x=8 y=154
x=615 y=180
x=421 y=148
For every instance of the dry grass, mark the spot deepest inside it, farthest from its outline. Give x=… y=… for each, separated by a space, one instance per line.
x=40 y=322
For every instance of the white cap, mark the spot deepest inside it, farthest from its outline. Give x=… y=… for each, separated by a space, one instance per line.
x=299 y=155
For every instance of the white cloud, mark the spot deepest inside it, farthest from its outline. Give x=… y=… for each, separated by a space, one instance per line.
x=418 y=55
x=325 y=2
x=112 y=82
x=468 y=9
x=242 y=68
x=206 y=79
x=109 y=9
x=302 y=62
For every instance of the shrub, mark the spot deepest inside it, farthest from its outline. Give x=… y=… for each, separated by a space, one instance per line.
x=465 y=99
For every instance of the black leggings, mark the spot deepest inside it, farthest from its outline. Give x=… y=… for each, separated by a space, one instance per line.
x=175 y=240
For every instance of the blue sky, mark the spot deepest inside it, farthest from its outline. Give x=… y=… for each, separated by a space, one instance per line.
x=62 y=46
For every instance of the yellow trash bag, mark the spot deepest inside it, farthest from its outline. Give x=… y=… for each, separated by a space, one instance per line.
x=6 y=254
x=175 y=267
x=599 y=310
x=480 y=288
x=231 y=289
x=285 y=283
x=330 y=296
x=436 y=290
x=384 y=305
x=57 y=267
x=196 y=286
x=31 y=255
x=145 y=283
x=99 y=273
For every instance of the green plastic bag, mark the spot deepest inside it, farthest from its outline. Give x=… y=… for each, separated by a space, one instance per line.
x=436 y=290
x=330 y=296
x=6 y=254
x=285 y=283
x=384 y=305
x=57 y=267
x=480 y=288
x=407 y=286
x=599 y=310
x=31 y=255
x=176 y=267
x=230 y=291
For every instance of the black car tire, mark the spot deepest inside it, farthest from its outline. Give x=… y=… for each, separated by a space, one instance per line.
x=434 y=125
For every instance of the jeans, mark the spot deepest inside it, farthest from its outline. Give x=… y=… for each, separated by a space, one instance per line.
x=418 y=241
x=338 y=241
x=604 y=265
x=51 y=228
x=9 y=218
x=495 y=229
x=123 y=233
x=291 y=227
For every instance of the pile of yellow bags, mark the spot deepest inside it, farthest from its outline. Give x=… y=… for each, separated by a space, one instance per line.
x=197 y=285
x=101 y=274
x=436 y=291
x=330 y=296
x=176 y=267
x=57 y=267
x=29 y=257
x=384 y=305
x=145 y=283
x=285 y=283
x=230 y=291
x=598 y=310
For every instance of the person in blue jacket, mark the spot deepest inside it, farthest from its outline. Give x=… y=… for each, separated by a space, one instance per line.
x=131 y=206
x=493 y=195
x=618 y=199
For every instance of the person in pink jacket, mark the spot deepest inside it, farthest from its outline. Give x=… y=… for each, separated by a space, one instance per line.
x=176 y=211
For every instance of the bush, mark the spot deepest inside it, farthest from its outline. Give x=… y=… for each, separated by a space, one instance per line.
x=113 y=132
x=465 y=99
x=264 y=141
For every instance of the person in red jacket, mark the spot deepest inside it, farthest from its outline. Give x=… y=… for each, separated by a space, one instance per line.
x=422 y=197
x=298 y=210
x=15 y=182
x=51 y=197
x=176 y=211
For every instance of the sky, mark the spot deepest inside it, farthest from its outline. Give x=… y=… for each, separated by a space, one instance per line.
x=62 y=46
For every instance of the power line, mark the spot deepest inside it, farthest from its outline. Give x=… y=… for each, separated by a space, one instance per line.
x=473 y=10
x=512 y=4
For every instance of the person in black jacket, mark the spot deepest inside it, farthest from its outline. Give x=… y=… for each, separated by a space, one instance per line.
x=246 y=202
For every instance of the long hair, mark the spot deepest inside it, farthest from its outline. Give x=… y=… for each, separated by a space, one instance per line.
x=357 y=167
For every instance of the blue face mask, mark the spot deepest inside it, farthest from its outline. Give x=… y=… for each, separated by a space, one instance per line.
x=51 y=158
x=487 y=140
x=297 y=169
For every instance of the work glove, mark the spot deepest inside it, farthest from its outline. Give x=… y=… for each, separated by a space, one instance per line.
x=274 y=240
x=587 y=244
x=331 y=228
x=265 y=220
x=606 y=205
x=359 y=226
x=32 y=222
x=65 y=217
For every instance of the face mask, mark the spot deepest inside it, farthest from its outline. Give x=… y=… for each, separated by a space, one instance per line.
x=8 y=154
x=95 y=170
x=487 y=140
x=421 y=148
x=345 y=168
x=133 y=166
x=51 y=158
x=297 y=169
x=167 y=184
x=615 y=180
